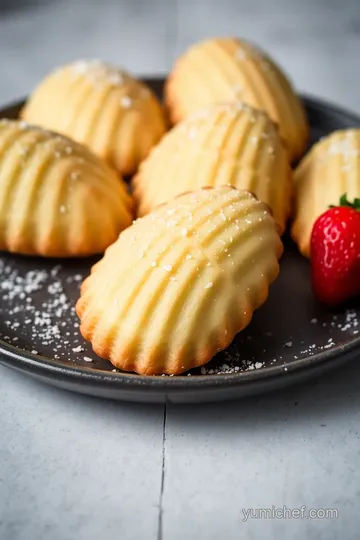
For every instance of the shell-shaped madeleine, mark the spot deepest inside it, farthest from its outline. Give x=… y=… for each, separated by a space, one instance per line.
x=330 y=169
x=231 y=144
x=56 y=198
x=118 y=117
x=230 y=69
x=194 y=272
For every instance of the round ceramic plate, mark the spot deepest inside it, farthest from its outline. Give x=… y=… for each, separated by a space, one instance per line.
x=290 y=338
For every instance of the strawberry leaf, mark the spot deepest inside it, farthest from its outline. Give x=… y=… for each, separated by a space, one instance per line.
x=344 y=202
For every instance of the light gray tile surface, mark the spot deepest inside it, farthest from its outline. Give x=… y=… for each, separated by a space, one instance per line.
x=300 y=446
x=75 y=467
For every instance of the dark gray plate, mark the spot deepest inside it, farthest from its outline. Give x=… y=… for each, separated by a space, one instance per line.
x=290 y=338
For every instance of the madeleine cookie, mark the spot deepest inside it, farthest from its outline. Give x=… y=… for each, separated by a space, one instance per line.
x=116 y=116
x=56 y=198
x=330 y=169
x=230 y=144
x=229 y=69
x=194 y=272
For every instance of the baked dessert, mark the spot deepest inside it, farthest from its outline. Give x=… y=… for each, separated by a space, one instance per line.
x=56 y=198
x=230 y=69
x=194 y=272
x=230 y=144
x=329 y=170
x=118 y=117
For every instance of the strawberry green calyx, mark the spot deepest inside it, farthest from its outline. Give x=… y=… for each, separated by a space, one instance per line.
x=355 y=205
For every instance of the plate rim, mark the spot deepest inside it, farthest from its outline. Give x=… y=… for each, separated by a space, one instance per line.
x=45 y=367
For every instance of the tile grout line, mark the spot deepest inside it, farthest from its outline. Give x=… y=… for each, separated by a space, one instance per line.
x=160 y=522
x=171 y=38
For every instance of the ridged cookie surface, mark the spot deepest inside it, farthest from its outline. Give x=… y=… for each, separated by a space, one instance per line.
x=116 y=116
x=56 y=198
x=330 y=169
x=181 y=282
x=230 y=144
x=230 y=69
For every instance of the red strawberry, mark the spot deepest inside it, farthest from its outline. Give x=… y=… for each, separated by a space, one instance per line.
x=335 y=253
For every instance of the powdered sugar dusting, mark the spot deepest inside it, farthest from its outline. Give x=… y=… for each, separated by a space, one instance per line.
x=38 y=310
x=99 y=73
x=346 y=146
x=126 y=102
x=237 y=361
x=37 y=314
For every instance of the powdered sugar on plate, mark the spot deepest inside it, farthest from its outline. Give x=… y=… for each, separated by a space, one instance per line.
x=38 y=309
x=347 y=323
x=37 y=315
